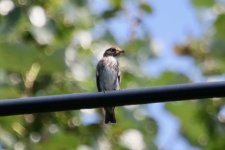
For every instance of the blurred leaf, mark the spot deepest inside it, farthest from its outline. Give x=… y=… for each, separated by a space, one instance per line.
x=69 y=141
x=213 y=62
x=212 y=66
x=193 y=47
x=11 y=20
x=217 y=49
x=146 y=7
x=17 y=57
x=53 y=62
x=8 y=122
x=110 y=13
x=25 y=55
x=169 y=77
x=203 y=3
x=191 y=126
x=9 y=92
x=116 y=3
x=219 y=26
x=80 y=2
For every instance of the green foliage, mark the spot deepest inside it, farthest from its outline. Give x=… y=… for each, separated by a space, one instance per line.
x=199 y=122
x=203 y=3
x=169 y=77
x=145 y=7
x=116 y=3
x=34 y=61
x=58 y=55
x=192 y=126
x=110 y=13
x=219 y=26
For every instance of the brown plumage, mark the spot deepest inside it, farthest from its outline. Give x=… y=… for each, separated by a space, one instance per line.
x=108 y=77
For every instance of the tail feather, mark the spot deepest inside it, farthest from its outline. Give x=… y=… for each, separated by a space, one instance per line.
x=110 y=115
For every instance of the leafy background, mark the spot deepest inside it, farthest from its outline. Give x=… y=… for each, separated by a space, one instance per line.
x=52 y=47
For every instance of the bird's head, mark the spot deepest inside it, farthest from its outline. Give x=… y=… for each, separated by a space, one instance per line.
x=113 y=51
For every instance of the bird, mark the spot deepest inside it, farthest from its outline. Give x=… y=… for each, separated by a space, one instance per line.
x=108 y=77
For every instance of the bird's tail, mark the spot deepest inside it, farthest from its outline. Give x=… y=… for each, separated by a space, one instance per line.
x=109 y=115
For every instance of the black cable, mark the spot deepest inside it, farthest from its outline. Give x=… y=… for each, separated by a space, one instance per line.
x=114 y=98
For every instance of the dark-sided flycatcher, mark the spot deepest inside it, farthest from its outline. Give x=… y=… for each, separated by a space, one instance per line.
x=108 y=77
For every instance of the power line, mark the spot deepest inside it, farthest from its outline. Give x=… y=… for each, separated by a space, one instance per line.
x=115 y=98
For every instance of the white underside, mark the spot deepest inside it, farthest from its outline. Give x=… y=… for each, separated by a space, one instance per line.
x=109 y=76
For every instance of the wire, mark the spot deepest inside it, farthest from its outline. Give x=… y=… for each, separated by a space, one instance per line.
x=114 y=98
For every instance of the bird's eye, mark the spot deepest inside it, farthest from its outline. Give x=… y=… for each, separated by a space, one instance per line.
x=113 y=49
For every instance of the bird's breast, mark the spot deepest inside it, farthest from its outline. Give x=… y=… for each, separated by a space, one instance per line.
x=109 y=76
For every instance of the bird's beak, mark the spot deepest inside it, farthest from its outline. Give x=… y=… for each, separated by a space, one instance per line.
x=120 y=51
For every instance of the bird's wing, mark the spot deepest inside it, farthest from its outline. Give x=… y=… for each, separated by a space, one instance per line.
x=99 y=65
x=118 y=75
